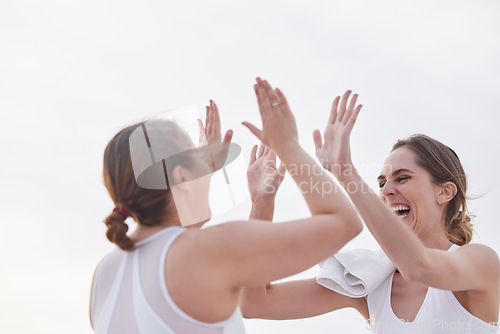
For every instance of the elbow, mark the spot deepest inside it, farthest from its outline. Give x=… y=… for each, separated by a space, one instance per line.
x=247 y=311
x=417 y=271
x=248 y=307
x=354 y=225
x=358 y=226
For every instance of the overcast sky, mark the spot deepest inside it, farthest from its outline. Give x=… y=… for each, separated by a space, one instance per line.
x=72 y=73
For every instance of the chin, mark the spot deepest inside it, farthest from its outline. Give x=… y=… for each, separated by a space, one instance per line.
x=408 y=220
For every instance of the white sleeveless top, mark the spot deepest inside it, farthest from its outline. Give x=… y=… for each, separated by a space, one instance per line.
x=130 y=296
x=440 y=313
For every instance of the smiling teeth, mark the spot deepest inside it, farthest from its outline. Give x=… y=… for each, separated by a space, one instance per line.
x=400 y=208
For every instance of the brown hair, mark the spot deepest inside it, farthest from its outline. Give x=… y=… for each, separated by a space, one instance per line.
x=147 y=207
x=444 y=166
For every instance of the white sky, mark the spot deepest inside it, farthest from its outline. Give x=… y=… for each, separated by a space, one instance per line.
x=73 y=73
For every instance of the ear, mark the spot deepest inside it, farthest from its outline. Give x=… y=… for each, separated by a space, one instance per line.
x=179 y=177
x=446 y=193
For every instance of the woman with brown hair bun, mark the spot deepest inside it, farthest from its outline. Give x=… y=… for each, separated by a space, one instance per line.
x=166 y=278
x=441 y=283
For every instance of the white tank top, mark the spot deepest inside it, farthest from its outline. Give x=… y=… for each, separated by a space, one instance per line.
x=440 y=313
x=130 y=296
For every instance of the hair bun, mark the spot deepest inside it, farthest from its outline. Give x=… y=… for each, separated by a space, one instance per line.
x=117 y=230
x=459 y=230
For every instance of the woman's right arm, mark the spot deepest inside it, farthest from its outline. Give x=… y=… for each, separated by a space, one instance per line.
x=296 y=300
x=241 y=254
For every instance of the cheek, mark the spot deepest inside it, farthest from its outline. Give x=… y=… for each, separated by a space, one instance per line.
x=410 y=192
x=420 y=196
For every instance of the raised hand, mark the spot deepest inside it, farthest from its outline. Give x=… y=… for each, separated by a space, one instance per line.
x=335 y=153
x=279 y=130
x=263 y=177
x=210 y=135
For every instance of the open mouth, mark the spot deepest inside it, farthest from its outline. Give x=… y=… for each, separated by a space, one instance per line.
x=401 y=210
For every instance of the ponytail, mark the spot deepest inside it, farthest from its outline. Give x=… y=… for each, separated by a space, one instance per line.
x=117 y=230
x=459 y=229
x=147 y=207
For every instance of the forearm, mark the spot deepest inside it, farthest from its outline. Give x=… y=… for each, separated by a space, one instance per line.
x=396 y=238
x=322 y=194
x=293 y=300
x=263 y=208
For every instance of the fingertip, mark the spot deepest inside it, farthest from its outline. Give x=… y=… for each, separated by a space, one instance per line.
x=318 y=142
x=229 y=135
x=248 y=125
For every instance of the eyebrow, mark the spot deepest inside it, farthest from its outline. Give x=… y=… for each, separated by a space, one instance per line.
x=395 y=173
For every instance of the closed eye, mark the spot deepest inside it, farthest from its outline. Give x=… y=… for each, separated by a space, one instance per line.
x=403 y=178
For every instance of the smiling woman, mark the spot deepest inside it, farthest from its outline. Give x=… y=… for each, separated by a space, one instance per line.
x=440 y=279
x=444 y=166
x=441 y=283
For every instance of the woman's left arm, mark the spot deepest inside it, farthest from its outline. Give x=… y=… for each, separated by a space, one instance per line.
x=472 y=267
x=264 y=178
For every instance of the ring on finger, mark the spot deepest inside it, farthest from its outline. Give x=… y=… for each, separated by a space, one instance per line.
x=275 y=104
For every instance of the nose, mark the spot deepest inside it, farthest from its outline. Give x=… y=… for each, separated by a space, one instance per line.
x=387 y=190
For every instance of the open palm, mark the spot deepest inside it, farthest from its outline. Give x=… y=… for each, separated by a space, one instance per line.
x=263 y=177
x=335 y=153
x=210 y=135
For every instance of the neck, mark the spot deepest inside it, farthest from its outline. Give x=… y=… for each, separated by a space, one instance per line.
x=435 y=238
x=143 y=231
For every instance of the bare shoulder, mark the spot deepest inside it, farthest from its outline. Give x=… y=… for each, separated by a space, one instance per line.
x=481 y=253
x=480 y=249
x=193 y=245
x=195 y=285
x=207 y=241
x=484 y=257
